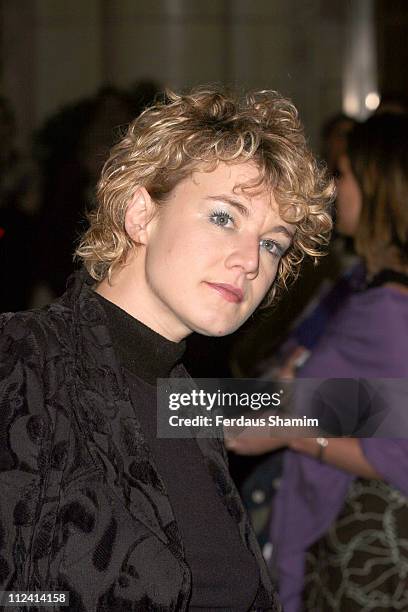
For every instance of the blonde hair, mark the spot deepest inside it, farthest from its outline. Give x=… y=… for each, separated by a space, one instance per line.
x=196 y=131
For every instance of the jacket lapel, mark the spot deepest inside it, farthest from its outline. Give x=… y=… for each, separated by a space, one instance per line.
x=106 y=415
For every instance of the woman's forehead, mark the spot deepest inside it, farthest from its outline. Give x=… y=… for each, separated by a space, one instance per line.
x=243 y=179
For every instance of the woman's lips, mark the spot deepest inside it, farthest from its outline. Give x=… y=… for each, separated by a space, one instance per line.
x=228 y=292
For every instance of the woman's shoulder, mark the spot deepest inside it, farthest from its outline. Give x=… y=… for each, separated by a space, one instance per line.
x=385 y=294
x=367 y=337
x=33 y=365
x=19 y=328
x=31 y=332
x=378 y=307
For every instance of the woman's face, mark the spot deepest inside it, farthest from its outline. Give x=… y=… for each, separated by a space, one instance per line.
x=349 y=199
x=211 y=254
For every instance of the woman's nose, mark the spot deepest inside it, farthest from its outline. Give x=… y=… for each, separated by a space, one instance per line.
x=245 y=255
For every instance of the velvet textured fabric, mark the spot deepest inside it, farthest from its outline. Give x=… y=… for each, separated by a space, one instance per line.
x=82 y=505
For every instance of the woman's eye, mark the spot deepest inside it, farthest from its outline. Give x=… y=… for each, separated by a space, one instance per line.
x=221 y=218
x=272 y=247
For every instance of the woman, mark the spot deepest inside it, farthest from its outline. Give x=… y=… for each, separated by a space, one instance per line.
x=340 y=517
x=200 y=207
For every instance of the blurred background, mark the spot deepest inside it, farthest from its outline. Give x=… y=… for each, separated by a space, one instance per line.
x=74 y=72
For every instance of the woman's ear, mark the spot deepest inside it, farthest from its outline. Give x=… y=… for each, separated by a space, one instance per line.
x=139 y=213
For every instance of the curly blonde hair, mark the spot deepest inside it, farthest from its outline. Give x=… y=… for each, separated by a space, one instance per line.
x=196 y=131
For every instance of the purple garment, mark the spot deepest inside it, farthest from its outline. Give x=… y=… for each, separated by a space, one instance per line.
x=367 y=338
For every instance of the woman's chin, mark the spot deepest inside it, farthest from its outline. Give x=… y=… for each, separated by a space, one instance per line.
x=217 y=328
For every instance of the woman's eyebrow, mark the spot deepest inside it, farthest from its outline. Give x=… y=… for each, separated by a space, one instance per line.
x=233 y=202
x=281 y=229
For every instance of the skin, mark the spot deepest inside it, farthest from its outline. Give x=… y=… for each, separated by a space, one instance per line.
x=208 y=231
x=337 y=143
x=343 y=453
x=349 y=199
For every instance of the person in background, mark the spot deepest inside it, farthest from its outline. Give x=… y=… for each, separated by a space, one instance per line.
x=205 y=207
x=300 y=319
x=339 y=520
x=311 y=324
x=313 y=301
x=334 y=139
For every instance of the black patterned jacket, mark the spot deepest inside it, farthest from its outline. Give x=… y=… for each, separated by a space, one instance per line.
x=82 y=506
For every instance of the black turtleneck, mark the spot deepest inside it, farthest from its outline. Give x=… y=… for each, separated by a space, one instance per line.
x=224 y=573
x=141 y=350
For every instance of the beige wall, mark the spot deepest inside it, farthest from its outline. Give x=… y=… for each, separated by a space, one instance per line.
x=56 y=51
x=51 y=55
x=68 y=57
x=18 y=61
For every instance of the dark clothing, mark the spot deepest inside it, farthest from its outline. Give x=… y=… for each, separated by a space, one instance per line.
x=209 y=533
x=83 y=506
x=142 y=351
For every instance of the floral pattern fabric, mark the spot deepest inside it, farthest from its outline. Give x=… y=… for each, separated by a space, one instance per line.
x=362 y=561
